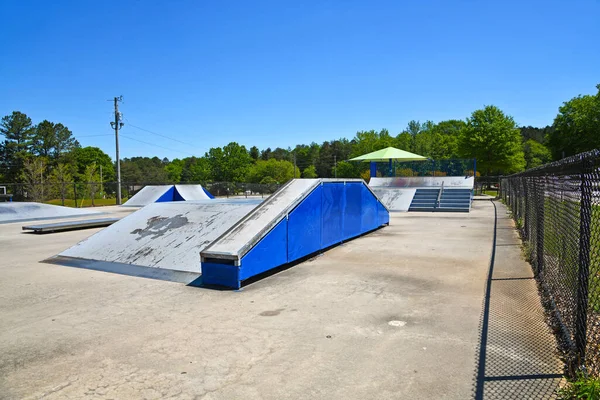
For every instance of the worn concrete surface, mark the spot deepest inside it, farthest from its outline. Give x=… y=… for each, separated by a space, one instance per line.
x=391 y=315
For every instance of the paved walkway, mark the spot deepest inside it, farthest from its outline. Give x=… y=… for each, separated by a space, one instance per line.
x=518 y=359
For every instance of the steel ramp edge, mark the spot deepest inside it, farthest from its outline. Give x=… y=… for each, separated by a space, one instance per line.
x=163 y=274
x=322 y=214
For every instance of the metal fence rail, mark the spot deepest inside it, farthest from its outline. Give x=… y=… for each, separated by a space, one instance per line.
x=556 y=208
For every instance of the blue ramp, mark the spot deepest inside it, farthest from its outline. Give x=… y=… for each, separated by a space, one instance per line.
x=304 y=217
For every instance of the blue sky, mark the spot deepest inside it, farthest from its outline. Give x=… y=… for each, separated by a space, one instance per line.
x=278 y=73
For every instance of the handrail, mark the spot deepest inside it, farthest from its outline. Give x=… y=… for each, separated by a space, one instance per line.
x=437 y=203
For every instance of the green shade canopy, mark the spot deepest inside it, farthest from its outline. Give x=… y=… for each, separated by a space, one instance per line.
x=389 y=153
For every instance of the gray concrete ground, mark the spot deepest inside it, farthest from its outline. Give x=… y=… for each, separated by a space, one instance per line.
x=391 y=315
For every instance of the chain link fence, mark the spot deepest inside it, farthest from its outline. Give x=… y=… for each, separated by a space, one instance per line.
x=556 y=208
x=90 y=194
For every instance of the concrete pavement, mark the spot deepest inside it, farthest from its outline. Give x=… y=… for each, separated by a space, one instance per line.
x=391 y=315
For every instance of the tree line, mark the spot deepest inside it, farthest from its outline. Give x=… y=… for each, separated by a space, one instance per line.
x=49 y=152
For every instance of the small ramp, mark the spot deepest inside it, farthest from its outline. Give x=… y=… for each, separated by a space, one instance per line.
x=152 y=194
x=21 y=212
x=163 y=193
x=161 y=240
x=193 y=192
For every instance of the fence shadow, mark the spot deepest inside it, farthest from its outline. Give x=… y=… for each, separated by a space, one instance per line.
x=517 y=357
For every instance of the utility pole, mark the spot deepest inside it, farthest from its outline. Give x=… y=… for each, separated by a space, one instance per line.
x=116 y=125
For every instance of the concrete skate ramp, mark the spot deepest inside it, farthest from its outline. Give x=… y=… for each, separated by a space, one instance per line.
x=395 y=199
x=151 y=194
x=303 y=217
x=20 y=212
x=161 y=240
x=457 y=182
x=193 y=192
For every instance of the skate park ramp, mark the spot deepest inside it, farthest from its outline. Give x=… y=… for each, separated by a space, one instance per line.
x=161 y=240
x=304 y=217
x=228 y=241
x=163 y=193
x=26 y=211
x=193 y=192
x=398 y=193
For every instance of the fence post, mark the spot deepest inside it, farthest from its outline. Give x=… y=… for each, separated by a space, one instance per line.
x=541 y=210
x=585 y=216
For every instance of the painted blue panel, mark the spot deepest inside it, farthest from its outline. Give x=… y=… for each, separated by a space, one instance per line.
x=176 y=195
x=373 y=168
x=166 y=196
x=369 y=216
x=304 y=227
x=220 y=275
x=269 y=253
x=383 y=214
x=333 y=214
x=208 y=193
x=353 y=209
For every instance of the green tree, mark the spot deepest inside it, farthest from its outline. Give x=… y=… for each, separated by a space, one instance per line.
x=536 y=154
x=52 y=140
x=91 y=179
x=346 y=169
x=61 y=178
x=271 y=171
x=230 y=163
x=85 y=156
x=196 y=170
x=577 y=126
x=34 y=169
x=18 y=132
x=254 y=153
x=494 y=140
x=310 y=172
x=174 y=169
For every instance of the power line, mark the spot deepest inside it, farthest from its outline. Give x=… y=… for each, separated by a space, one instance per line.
x=106 y=134
x=158 y=134
x=156 y=145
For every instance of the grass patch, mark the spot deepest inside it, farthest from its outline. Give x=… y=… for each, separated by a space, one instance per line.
x=85 y=202
x=581 y=388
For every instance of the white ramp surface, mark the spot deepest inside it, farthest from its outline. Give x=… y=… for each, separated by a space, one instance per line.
x=395 y=199
x=250 y=230
x=167 y=235
x=148 y=195
x=19 y=212
x=192 y=192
